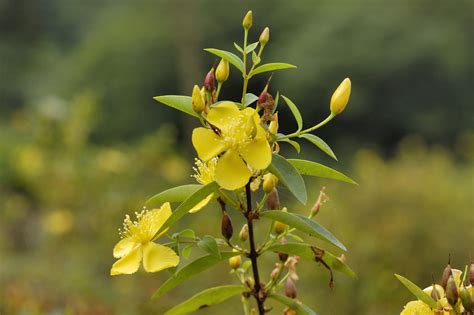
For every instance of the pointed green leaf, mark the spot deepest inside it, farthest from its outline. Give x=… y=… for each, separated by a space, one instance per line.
x=186 y=251
x=419 y=293
x=289 y=176
x=175 y=194
x=277 y=99
x=296 y=305
x=250 y=98
x=209 y=245
x=296 y=113
x=310 y=168
x=255 y=59
x=271 y=67
x=251 y=47
x=187 y=233
x=227 y=55
x=190 y=270
x=206 y=298
x=294 y=144
x=179 y=102
x=239 y=49
x=303 y=224
x=320 y=143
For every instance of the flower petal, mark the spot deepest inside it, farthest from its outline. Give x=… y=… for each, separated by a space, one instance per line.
x=231 y=171
x=128 y=264
x=201 y=204
x=222 y=114
x=207 y=143
x=257 y=153
x=157 y=257
x=162 y=214
x=123 y=247
x=249 y=111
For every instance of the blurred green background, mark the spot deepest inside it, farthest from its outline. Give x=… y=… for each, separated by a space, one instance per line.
x=82 y=142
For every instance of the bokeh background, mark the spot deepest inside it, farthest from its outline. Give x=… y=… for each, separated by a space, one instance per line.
x=82 y=142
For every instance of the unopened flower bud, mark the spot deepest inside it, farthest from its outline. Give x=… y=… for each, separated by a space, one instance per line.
x=340 y=97
x=436 y=293
x=290 y=288
x=269 y=182
x=209 y=80
x=446 y=274
x=279 y=227
x=282 y=256
x=471 y=274
x=247 y=22
x=273 y=200
x=264 y=36
x=222 y=71
x=273 y=127
x=226 y=226
x=244 y=233
x=196 y=99
x=467 y=299
x=452 y=294
x=275 y=272
x=289 y=311
x=235 y=262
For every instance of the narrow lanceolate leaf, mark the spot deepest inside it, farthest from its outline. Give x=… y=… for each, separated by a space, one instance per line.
x=239 y=49
x=230 y=57
x=251 y=47
x=304 y=251
x=296 y=305
x=190 y=270
x=310 y=168
x=188 y=204
x=277 y=99
x=271 y=67
x=303 y=224
x=294 y=144
x=294 y=109
x=175 y=194
x=289 y=176
x=419 y=293
x=179 y=102
x=206 y=298
x=209 y=245
x=320 y=143
x=250 y=98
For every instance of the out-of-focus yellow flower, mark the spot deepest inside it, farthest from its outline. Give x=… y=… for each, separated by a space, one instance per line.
x=340 y=97
x=240 y=137
x=137 y=244
x=205 y=173
x=58 y=222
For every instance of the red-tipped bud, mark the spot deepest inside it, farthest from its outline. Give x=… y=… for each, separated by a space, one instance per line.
x=290 y=288
x=209 y=80
x=226 y=226
x=446 y=274
x=273 y=200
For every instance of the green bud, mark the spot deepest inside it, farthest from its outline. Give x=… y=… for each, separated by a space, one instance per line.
x=265 y=36
x=197 y=100
x=466 y=299
x=269 y=182
x=452 y=294
x=247 y=22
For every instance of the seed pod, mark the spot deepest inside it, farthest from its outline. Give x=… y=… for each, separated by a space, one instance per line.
x=446 y=274
x=196 y=99
x=471 y=274
x=452 y=294
x=235 y=262
x=466 y=299
x=222 y=71
x=273 y=200
x=209 y=80
x=264 y=36
x=226 y=226
x=340 y=97
x=290 y=288
x=244 y=233
x=269 y=182
x=247 y=22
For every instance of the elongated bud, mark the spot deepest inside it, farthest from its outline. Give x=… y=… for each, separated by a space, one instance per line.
x=273 y=200
x=466 y=299
x=198 y=103
x=446 y=274
x=209 y=80
x=269 y=182
x=340 y=97
x=290 y=288
x=222 y=71
x=244 y=233
x=235 y=262
x=471 y=274
x=247 y=22
x=226 y=226
x=436 y=292
x=264 y=36
x=273 y=127
x=452 y=294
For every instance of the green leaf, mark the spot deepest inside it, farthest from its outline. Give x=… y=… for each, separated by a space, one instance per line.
x=239 y=49
x=320 y=143
x=296 y=113
x=227 y=55
x=179 y=102
x=294 y=144
x=255 y=59
x=271 y=67
x=289 y=176
x=206 y=298
x=175 y=194
x=188 y=233
x=209 y=245
x=188 y=204
x=310 y=168
x=250 y=98
x=186 y=251
x=277 y=99
x=190 y=270
x=303 y=224
x=251 y=47
x=296 y=305
x=413 y=288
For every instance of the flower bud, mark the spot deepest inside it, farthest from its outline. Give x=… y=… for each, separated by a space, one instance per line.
x=289 y=311
x=222 y=71
x=235 y=262
x=452 y=294
x=471 y=274
x=273 y=200
x=264 y=36
x=340 y=97
x=466 y=299
x=209 y=80
x=247 y=22
x=436 y=293
x=197 y=102
x=269 y=182
x=275 y=272
x=244 y=233
x=226 y=226
x=446 y=274
x=290 y=288
x=273 y=127
x=279 y=227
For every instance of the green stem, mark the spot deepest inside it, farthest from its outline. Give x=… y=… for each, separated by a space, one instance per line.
x=219 y=86
x=244 y=74
x=298 y=133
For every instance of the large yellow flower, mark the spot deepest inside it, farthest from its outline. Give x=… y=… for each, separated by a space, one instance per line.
x=240 y=137
x=137 y=244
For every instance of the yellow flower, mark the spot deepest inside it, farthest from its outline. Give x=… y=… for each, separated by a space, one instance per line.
x=417 y=308
x=241 y=139
x=205 y=172
x=137 y=244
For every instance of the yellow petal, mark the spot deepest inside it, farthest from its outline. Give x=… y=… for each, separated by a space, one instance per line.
x=249 y=111
x=128 y=264
x=207 y=143
x=222 y=114
x=123 y=247
x=157 y=257
x=231 y=171
x=201 y=204
x=257 y=153
x=161 y=216
x=416 y=307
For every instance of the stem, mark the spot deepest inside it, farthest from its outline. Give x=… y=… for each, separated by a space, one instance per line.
x=246 y=80
x=219 y=86
x=253 y=255
x=297 y=133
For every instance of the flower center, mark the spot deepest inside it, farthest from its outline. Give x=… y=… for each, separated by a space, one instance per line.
x=238 y=132
x=143 y=228
x=205 y=171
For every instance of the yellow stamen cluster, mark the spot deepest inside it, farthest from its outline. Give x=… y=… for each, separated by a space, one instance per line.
x=205 y=171
x=143 y=228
